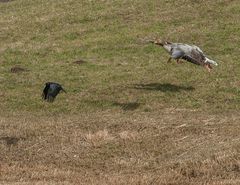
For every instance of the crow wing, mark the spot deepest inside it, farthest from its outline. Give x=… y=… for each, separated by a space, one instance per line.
x=53 y=91
x=45 y=91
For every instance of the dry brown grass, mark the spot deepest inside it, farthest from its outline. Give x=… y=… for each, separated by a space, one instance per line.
x=127 y=116
x=170 y=147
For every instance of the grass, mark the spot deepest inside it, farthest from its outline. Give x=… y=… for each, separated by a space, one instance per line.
x=128 y=116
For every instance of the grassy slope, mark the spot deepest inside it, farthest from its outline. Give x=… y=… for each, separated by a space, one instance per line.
x=127 y=116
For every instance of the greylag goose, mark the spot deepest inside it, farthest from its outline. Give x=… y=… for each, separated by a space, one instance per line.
x=190 y=53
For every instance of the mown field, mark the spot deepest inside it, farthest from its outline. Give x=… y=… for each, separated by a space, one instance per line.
x=128 y=116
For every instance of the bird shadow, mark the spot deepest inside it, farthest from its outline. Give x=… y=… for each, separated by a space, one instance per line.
x=80 y=62
x=127 y=106
x=11 y=140
x=165 y=87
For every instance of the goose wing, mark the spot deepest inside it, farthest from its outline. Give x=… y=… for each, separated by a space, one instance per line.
x=195 y=56
x=176 y=53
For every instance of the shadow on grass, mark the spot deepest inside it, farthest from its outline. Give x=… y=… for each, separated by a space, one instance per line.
x=165 y=87
x=10 y=140
x=127 y=106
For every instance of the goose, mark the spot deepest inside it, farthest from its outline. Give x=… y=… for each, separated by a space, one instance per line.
x=51 y=90
x=190 y=53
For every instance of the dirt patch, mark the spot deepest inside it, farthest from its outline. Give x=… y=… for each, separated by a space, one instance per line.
x=5 y=1
x=165 y=87
x=18 y=70
x=79 y=62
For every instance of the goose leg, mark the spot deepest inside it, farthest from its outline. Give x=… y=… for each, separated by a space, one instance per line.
x=179 y=61
x=169 y=60
x=208 y=67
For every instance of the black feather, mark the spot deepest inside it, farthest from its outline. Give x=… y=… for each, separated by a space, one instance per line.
x=51 y=90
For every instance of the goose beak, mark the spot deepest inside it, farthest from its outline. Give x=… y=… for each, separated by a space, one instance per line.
x=157 y=42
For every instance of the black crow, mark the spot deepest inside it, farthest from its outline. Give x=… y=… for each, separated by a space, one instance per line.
x=51 y=90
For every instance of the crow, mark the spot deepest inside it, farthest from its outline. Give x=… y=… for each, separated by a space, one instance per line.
x=51 y=90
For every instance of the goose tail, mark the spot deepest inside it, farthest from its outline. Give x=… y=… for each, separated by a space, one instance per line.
x=211 y=62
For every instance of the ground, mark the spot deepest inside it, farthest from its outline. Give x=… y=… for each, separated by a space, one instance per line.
x=128 y=116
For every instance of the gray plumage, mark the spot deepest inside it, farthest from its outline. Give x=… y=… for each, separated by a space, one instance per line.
x=190 y=53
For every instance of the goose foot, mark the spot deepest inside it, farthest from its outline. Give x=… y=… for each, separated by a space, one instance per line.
x=179 y=61
x=208 y=67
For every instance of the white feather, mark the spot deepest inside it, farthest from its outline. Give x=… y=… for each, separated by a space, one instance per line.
x=211 y=61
